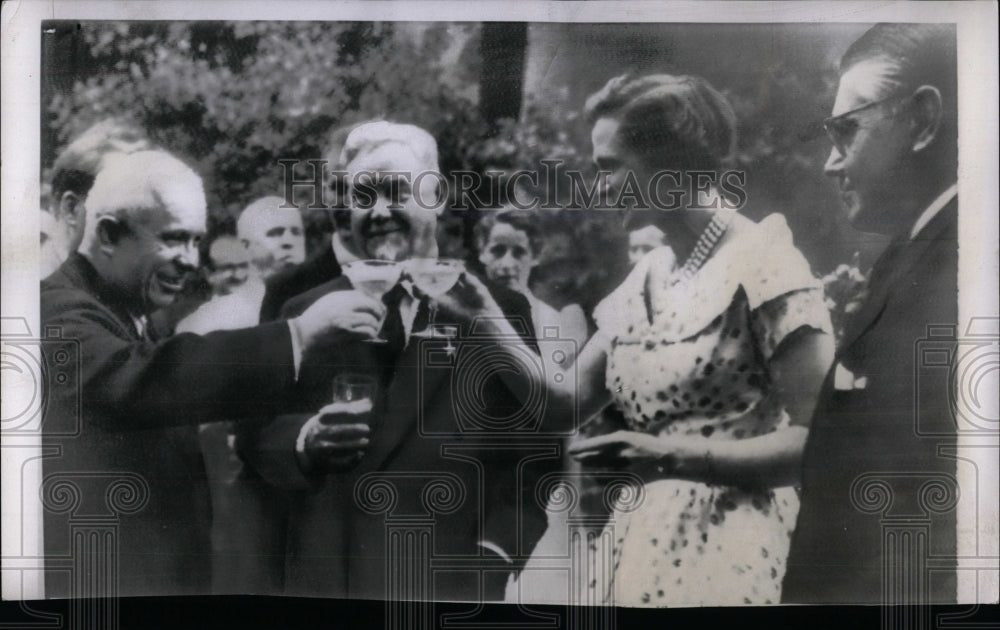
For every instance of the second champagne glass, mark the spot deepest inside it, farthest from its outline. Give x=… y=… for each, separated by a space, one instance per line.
x=435 y=277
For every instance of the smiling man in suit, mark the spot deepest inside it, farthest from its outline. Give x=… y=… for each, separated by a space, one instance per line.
x=884 y=423
x=420 y=441
x=131 y=417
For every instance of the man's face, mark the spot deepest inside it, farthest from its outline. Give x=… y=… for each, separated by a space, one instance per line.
x=278 y=241
x=643 y=241
x=508 y=257
x=230 y=265
x=158 y=249
x=387 y=221
x=872 y=159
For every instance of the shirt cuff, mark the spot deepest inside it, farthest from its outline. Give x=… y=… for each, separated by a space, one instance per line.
x=296 y=347
x=300 y=448
x=496 y=549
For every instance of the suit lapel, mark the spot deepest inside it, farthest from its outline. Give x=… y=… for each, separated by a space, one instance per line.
x=410 y=389
x=80 y=273
x=415 y=388
x=893 y=269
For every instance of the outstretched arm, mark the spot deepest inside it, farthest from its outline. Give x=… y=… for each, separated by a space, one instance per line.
x=584 y=388
x=772 y=460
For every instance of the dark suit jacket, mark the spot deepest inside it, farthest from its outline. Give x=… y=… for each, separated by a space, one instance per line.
x=285 y=285
x=891 y=432
x=120 y=406
x=421 y=440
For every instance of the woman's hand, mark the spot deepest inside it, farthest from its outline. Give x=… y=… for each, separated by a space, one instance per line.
x=651 y=457
x=633 y=446
x=647 y=455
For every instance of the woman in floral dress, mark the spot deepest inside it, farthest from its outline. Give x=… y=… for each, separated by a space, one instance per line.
x=715 y=348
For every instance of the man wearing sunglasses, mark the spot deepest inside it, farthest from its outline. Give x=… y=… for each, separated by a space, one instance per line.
x=894 y=159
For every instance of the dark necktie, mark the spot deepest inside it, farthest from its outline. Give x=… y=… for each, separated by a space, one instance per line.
x=392 y=329
x=422 y=319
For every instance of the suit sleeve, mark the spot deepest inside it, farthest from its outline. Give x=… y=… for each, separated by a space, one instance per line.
x=129 y=384
x=269 y=447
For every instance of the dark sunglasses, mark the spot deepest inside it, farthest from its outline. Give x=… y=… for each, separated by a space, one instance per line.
x=841 y=129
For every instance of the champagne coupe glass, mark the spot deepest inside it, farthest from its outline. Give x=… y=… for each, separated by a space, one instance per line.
x=374 y=278
x=435 y=277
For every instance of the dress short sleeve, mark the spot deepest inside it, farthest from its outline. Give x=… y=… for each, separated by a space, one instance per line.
x=769 y=263
x=774 y=320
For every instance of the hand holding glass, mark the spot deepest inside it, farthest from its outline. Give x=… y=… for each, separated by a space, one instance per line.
x=374 y=278
x=434 y=277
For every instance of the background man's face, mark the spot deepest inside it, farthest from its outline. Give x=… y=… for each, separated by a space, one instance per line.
x=159 y=248
x=394 y=224
x=278 y=241
x=230 y=265
x=875 y=161
x=507 y=257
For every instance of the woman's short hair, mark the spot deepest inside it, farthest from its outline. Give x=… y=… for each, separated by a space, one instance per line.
x=671 y=122
x=523 y=220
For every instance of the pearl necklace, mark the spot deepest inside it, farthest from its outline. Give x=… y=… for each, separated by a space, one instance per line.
x=706 y=244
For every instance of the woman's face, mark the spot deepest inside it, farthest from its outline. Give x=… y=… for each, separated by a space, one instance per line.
x=630 y=184
x=508 y=257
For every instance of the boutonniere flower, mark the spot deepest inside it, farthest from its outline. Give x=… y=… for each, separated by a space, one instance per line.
x=845 y=291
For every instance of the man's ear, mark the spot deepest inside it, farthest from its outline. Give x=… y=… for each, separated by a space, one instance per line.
x=70 y=208
x=926 y=116
x=109 y=231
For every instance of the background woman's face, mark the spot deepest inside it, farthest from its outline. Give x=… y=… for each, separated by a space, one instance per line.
x=508 y=257
x=643 y=241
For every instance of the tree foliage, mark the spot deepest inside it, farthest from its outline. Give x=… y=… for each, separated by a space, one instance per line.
x=234 y=98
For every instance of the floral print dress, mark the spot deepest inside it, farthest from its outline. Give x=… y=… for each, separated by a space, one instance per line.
x=689 y=357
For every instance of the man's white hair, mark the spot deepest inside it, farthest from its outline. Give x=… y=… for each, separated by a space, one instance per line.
x=369 y=136
x=129 y=185
x=248 y=225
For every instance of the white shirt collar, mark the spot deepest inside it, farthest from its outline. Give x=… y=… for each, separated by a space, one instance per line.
x=140 y=323
x=932 y=210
